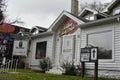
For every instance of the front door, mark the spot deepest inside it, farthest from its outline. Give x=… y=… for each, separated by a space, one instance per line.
x=68 y=48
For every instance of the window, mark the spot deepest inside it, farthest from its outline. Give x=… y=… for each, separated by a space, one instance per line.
x=90 y=17
x=35 y=32
x=103 y=40
x=116 y=11
x=41 y=50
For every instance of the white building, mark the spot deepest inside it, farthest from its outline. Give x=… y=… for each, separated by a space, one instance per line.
x=69 y=33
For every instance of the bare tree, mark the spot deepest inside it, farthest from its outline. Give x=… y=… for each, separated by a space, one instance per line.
x=2 y=10
x=4 y=17
x=97 y=6
x=17 y=20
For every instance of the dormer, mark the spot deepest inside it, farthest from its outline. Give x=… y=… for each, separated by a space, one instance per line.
x=92 y=15
x=36 y=30
x=88 y=14
x=113 y=8
x=20 y=33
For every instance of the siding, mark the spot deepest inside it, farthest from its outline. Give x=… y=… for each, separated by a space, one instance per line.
x=49 y=49
x=106 y=68
x=117 y=44
x=116 y=7
x=113 y=64
x=58 y=48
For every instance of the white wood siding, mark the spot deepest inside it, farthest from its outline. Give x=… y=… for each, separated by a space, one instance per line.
x=49 y=49
x=58 y=48
x=110 y=64
x=116 y=7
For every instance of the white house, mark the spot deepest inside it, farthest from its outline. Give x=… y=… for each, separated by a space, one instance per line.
x=70 y=32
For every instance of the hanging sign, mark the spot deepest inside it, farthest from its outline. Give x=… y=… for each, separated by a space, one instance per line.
x=6 y=28
x=69 y=27
x=20 y=48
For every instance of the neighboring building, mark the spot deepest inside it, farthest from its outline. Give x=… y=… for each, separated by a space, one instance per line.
x=8 y=35
x=69 y=33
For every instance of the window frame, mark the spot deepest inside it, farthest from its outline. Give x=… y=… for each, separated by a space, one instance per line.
x=105 y=60
x=36 y=50
x=114 y=11
x=90 y=17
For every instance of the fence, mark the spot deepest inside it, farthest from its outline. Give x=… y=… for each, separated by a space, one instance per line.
x=9 y=66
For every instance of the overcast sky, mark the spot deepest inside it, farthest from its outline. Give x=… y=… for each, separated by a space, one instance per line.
x=39 y=12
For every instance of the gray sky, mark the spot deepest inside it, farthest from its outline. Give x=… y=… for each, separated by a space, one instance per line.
x=39 y=12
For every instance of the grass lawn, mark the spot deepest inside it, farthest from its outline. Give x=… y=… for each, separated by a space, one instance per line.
x=31 y=75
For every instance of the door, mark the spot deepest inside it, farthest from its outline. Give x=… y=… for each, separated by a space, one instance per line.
x=68 y=48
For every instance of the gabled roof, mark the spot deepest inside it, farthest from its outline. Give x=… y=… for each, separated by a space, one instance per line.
x=62 y=17
x=111 y=5
x=103 y=14
x=81 y=18
x=85 y=10
x=18 y=28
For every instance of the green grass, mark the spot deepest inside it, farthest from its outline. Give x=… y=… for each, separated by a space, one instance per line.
x=31 y=75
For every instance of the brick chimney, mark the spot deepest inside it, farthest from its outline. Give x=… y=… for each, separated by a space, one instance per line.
x=74 y=7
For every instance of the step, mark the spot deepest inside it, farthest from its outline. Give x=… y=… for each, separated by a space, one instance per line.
x=56 y=70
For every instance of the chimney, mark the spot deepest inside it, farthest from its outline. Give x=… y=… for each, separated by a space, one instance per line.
x=74 y=7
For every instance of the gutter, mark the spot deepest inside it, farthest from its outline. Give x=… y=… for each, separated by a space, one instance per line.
x=42 y=34
x=99 y=22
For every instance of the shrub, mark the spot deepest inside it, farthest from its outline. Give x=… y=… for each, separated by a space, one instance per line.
x=70 y=68
x=45 y=64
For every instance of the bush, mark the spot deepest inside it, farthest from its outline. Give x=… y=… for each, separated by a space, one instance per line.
x=45 y=64
x=70 y=68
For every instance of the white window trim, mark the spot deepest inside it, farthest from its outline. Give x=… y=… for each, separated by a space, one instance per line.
x=118 y=8
x=106 y=60
x=36 y=48
x=90 y=17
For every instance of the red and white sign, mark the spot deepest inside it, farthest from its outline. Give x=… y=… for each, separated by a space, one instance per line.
x=69 y=27
x=6 y=28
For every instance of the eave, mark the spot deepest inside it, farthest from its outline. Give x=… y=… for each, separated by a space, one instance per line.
x=41 y=35
x=100 y=21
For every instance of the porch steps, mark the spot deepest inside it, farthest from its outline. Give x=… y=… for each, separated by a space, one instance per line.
x=56 y=70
